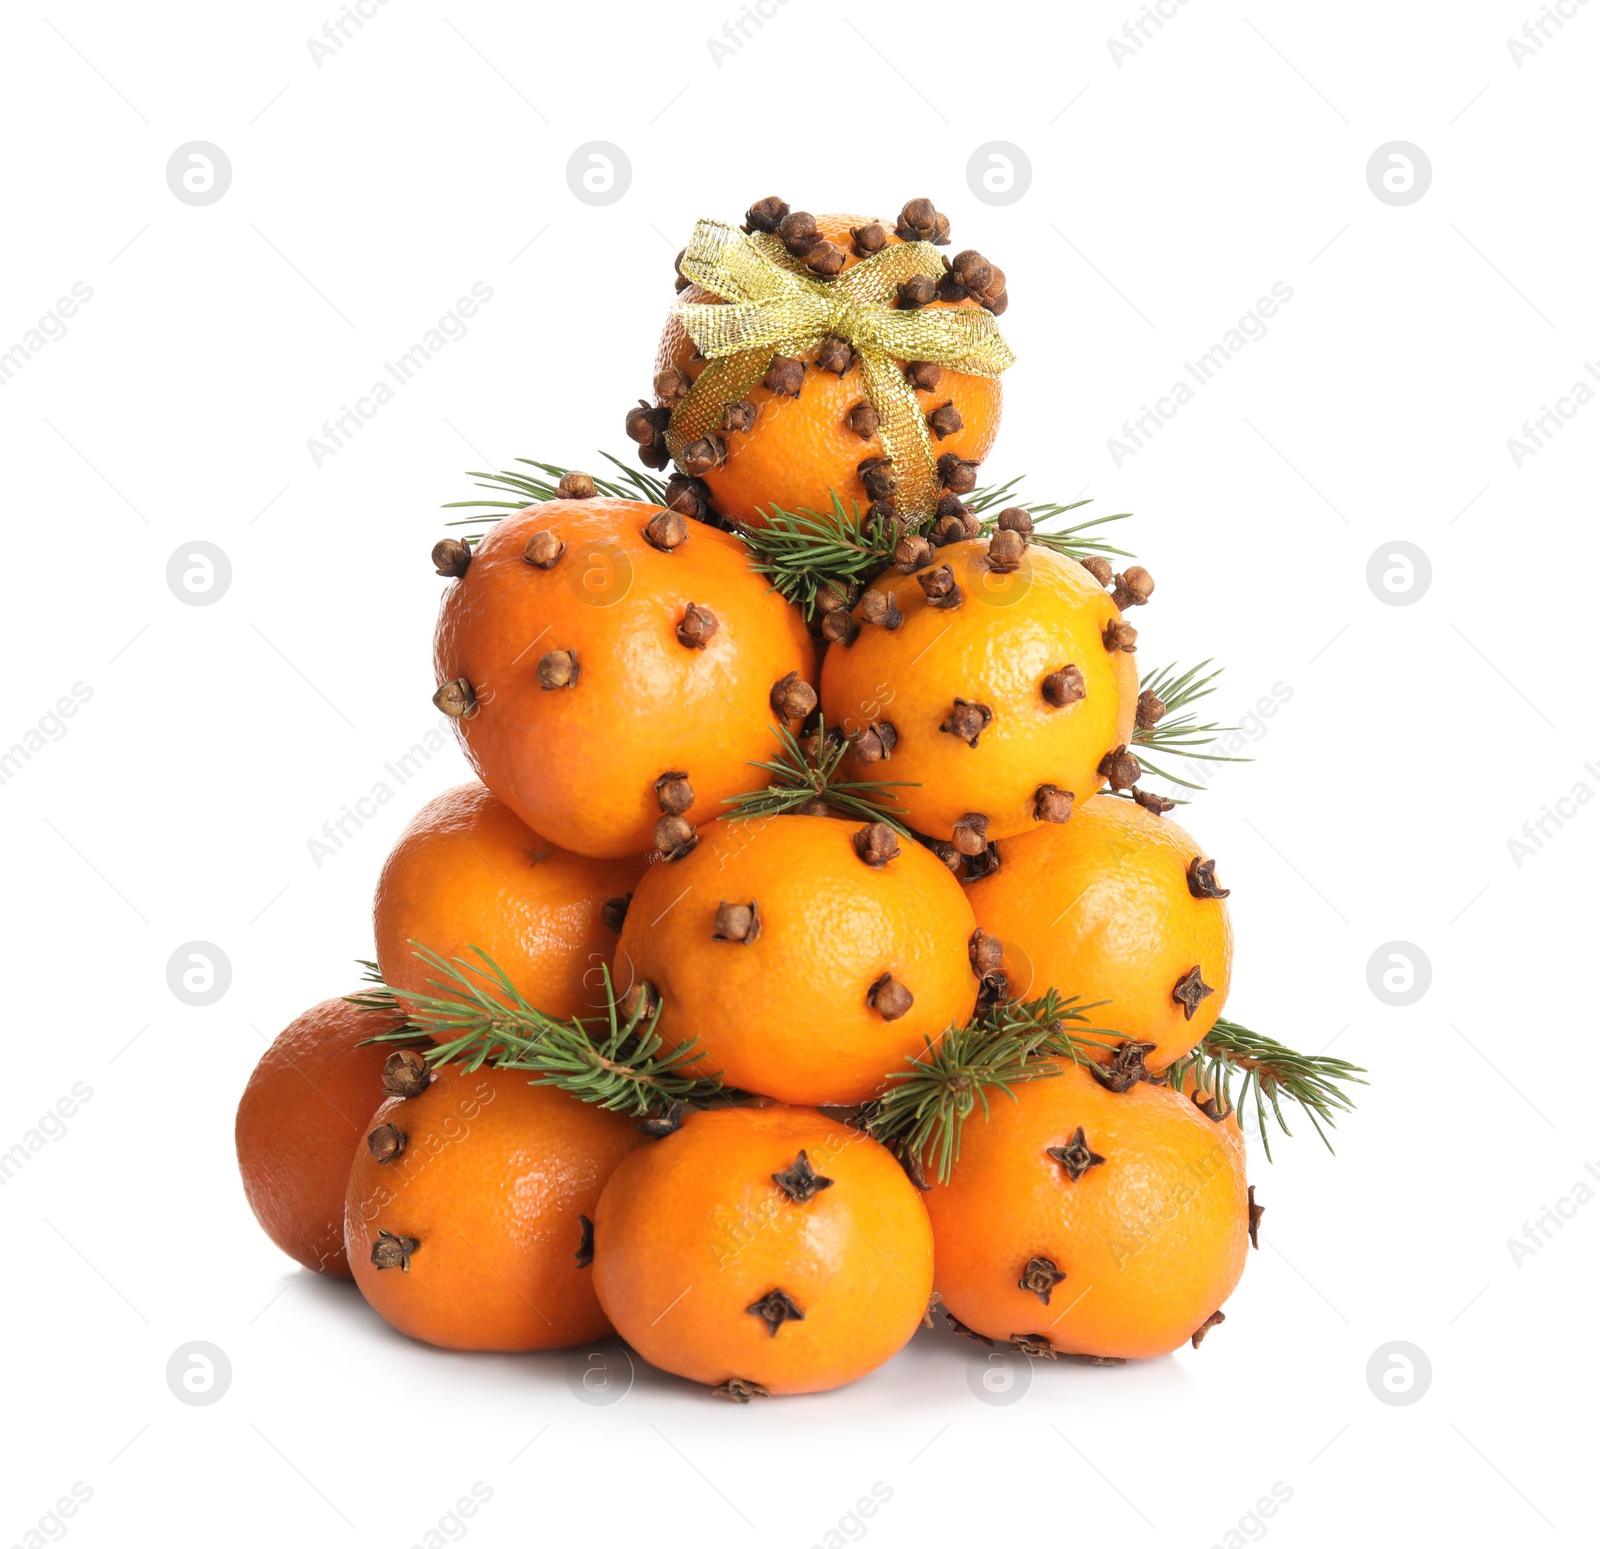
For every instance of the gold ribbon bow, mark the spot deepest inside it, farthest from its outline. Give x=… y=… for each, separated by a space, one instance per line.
x=772 y=305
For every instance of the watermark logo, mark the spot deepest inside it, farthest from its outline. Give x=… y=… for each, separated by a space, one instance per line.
x=600 y=1377
x=999 y=1377
x=199 y=172
x=1399 y=172
x=1399 y=574
x=1399 y=973
x=199 y=1373
x=199 y=573
x=599 y=172
x=199 y=973
x=999 y=172
x=1399 y=1373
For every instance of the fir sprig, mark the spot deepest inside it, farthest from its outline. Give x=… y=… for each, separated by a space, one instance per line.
x=530 y=488
x=801 y=551
x=801 y=775
x=1180 y=733
x=1074 y=542
x=923 y=1112
x=616 y=1061
x=1240 y=1068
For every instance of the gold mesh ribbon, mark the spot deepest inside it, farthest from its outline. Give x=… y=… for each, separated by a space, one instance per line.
x=772 y=305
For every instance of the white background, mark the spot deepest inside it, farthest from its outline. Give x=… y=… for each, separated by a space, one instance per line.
x=1228 y=153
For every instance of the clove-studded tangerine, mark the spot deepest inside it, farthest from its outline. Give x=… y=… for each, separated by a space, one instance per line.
x=469 y=1211
x=1115 y=905
x=805 y=957
x=763 y=1251
x=1002 y=696
x=303 y=1113
x=807 y=429
x=468 y=874
x=1109 y=1224
x=593 y=645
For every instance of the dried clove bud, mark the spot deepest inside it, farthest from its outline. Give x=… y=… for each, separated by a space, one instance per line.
x=577 y=486
x=824 y=259
x=1210 y=1323
x=916 y=292
x=939 y=587
x=689 y=497
x=680 y=281
x=674 y=837
x=1153 y=804
x=736 y=922
x=869 y=239
x=1125 y=1069
x=945 y=420
x=911 y=553
x=665 y=1118
x=1006 y=549
x=701 y=456
x=455 y=698
x=877 y=477
x=1212 y=1106
x=1149 y=710
x=775 y=1309
x=405 y=1074
x=972 y=271
x=1051 y=804
x=1075 y=1156
x=740 y=1390
x=801 y=1181
x=1133 y=587
x=386 y=1142
x=984 y=864
x=1097 y=567
x=877 y=844
x=918 y=222
x=798 y=232
x=1189 y=991
x=1040 y=1276
x=451 y=557
x=558 y=669
x=1015 y=519
x=879 y=608
x=1119 y=635
x=1033 y=1345
x=585 y=1254
x=863 y=420
x=1063 y=687
x=967 y=720
x=1202 y=879
x=958 y=1327
x=875 y=743
x=957 y=474
x=834 y=595
x=792 y=698
x=614 y=911
x=941 y=230
x=1119 y=768
x=639 y=1001
x=655 y=456
x=666 y=530
x=785 y=376
x=970 y=835
x=889 y=998
x=544 y=549
x=696 y=627
x=765 y=214
x=835 y=355
x=674 y=794
x=924 y=375
x=839 y=628
x=393 y=1251
x=738 y=418
x=1256 y=1213
x=644 y=424
x=671 y=384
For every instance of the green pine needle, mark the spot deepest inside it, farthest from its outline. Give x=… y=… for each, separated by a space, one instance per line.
x=1074 y=542
x=479 y=1017
x=800 y=776
x=1180 y=733
x=922 y=1114
x=532 y=488
x=1267 y=1074
x=802 y=551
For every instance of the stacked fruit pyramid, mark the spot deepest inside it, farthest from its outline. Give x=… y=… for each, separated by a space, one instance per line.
x=810 y=958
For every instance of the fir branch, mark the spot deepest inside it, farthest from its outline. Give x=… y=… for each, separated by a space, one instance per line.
x=922 y=1114
x=809 y=768
x=531 y=488
x=803 y=550
x=1074 y=542
x=1265 y=1071
x=478 y=1017
x=1180 y=733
